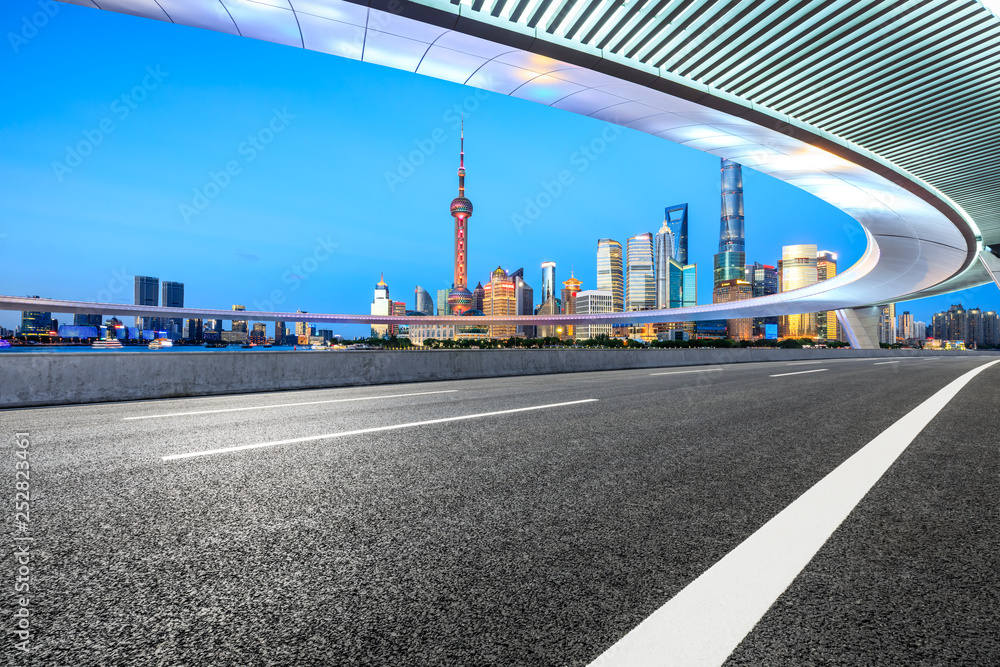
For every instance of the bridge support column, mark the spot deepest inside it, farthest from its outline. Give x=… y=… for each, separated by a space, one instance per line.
x=861 y=326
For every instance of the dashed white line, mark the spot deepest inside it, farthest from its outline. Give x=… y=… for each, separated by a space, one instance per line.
x=707 y=620
x=803 y=363
x=376 y=429
x=814 y=370
x=290 y=405
x=879 y=363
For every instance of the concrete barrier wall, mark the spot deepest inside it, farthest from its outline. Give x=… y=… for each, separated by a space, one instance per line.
x=33 y=379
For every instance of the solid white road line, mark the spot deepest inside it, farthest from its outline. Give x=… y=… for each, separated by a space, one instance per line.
x=700 y=370
x=708 y=619
x=289 y=405
x=879 y=363
x=815 y=370
x=376 y=429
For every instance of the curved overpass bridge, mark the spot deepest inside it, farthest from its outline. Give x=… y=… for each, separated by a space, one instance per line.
x=885 y=110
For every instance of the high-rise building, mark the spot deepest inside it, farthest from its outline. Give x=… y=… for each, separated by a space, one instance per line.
x=381 y=305
x=85 y=320
x=214 y=326
x=477 y=297
x=664 y=248
x=550 y=307
x=302 y=328
x=764 y=280
x=172 y=297
x=570 y=289
x=827 y=327
x=442 y=302
x=887 y=324
x=422 y=301
x=147 y=293
x=689 y=289
x=609 y=271
x=798 y=269
x=524 y=297
x=239 y=325
x=675 y=218
x=194 y=331
x=279 y=333
x=640 y=277
x=736 y=290
x=398 y=308
x=589 y=302
x=905 y=326
x=548 y=280
x=730 y=261
x=920 y=330
x=460 y=298
x=500 y=300
x=35 y=324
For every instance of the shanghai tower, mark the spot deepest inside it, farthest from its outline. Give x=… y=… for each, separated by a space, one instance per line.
x=731 y=258
x=460 y=298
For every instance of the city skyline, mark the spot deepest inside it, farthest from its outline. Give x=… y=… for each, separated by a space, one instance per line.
x=361 y=186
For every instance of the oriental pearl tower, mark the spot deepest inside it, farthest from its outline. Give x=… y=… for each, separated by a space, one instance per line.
x=460 y=298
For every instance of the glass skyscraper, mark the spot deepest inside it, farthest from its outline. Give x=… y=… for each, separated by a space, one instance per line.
x=826 y=321
x=147 y=293
x=173 y=297
x=548 y=280
x=664 y=248
x=423 y=302
x=798 y=269
x=763 y=280
x=689 y=293
x=609 y=271
x=675 y=218
x=731 y=259
x=640 y=279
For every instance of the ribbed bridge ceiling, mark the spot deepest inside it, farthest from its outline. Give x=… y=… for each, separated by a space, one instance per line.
x=917 y=82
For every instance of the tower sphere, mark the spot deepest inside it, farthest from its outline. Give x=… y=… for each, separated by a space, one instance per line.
x=461 y=205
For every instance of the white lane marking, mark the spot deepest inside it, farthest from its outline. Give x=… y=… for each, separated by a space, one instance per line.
x=803 y=363
x=700 y=370
x=290 y=405
x=814 y=370
x=707 y=620
x=375 y=429
x=879 y=363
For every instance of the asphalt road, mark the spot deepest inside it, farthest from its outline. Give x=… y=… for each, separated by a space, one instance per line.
x=535 y=537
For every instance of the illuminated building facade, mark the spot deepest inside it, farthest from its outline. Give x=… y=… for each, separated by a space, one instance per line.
x=83 y=320
x=609 y=271
x=827 y=327
x=905 y=326
x=736 y=290
x=239 y=325
x=570 y=289
x=381 y=305
x=500 y=299
x=798 y=269
x=730 y=261
x=764 y=280
x=887 y=324
x=640 y=278
x=35 y=324
x=675 y=219
x=460 y=298
x=594 y=301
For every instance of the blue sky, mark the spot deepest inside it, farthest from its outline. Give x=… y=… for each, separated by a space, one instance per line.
x=284 y=179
